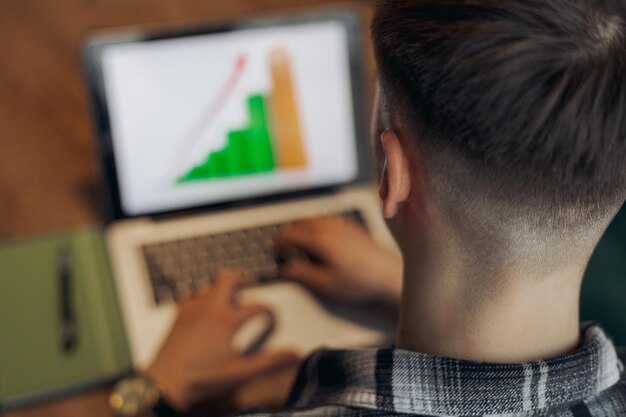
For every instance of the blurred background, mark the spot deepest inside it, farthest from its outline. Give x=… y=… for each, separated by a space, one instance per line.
x=49 y=178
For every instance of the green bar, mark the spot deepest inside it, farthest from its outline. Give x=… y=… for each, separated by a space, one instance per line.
x=220 y=163
x=261 y=157
x=238 y=141
x=247 y=151
x=257 y=105
x=261 y=144
x=200 y=171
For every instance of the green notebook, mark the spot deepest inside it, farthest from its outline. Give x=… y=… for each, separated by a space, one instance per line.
x=33 y=363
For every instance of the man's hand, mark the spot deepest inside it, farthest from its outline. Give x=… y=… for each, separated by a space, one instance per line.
x=198 y=362
x=347 y=264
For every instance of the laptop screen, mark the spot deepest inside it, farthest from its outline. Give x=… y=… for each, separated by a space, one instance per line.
x=219 y=117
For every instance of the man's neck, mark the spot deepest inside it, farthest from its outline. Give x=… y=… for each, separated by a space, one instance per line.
x=444 y=312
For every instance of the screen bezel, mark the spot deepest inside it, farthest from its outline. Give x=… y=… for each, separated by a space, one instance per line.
x=92 y=57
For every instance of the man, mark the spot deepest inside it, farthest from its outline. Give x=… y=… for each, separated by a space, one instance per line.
x=501 y=131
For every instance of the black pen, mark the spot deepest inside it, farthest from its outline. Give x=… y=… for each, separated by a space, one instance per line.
x=68 y=331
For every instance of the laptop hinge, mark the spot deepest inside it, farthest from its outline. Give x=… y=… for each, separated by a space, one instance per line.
x=298 y=195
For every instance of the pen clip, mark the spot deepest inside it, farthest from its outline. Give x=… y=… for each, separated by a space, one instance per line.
x=68 y=332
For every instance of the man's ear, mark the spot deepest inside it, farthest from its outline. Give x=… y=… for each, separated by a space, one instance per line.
x=395 y=184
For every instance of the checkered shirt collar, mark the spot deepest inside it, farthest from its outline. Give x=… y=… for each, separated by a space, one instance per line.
x=399 y=381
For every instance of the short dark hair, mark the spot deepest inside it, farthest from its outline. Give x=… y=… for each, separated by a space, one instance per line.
x=534 y=90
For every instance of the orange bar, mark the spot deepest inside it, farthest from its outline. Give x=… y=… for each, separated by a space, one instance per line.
x=288 y=134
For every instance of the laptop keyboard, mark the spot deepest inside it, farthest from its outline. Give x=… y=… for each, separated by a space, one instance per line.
x=177 y=268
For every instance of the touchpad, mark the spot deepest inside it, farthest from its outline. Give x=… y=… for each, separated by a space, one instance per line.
x=253 y=334
x=305 y=323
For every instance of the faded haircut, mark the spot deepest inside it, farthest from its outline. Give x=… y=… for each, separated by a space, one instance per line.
x=517 y=105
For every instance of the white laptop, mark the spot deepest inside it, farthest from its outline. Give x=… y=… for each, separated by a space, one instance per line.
x=212 y=139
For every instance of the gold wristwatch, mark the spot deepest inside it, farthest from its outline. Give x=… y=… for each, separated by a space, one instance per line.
x=140 y=396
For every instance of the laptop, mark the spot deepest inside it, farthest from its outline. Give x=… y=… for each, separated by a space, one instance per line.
x=212 y=140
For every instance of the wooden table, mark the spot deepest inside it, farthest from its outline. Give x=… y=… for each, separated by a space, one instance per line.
x=49 y=176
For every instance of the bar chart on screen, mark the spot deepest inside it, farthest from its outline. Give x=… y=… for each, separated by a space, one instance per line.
x=272 y=139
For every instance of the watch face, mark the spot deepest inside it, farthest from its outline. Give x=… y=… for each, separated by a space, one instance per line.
x=134 y=396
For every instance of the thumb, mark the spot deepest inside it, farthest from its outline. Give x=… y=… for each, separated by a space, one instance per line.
x=315 y=277
x=249 y=367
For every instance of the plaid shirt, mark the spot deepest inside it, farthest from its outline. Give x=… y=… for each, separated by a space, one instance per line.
x=394 y=382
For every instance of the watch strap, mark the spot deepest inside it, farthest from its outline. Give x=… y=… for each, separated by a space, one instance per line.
x=163 y=409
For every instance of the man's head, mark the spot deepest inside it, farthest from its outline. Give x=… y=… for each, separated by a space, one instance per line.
x=508 y=116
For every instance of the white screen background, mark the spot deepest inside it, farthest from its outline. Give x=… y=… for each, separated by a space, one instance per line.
x=157 y=90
